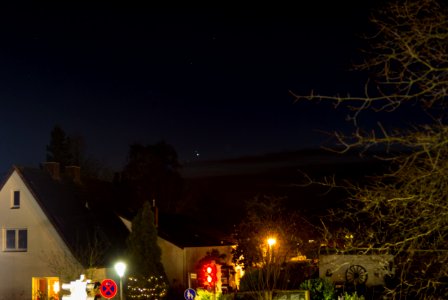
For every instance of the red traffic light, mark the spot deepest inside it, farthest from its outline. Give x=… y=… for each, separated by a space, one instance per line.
x=210 y=273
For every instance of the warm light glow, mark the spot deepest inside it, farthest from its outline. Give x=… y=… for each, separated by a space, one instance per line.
x=271 y=241
x=120 y=268
x=56 y=287
x=209 y=270
x=209 y=279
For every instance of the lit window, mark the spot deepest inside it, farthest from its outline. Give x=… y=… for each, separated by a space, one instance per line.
x=46 y=287
x=15 y=240
x=15 y=201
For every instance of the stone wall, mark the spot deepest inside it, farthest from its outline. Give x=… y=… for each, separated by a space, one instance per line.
x=335 y=266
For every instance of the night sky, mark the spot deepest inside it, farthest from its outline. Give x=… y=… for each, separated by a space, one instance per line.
x=212 y=81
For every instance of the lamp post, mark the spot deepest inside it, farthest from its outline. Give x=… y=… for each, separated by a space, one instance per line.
x=120 y=268
x=271 y=242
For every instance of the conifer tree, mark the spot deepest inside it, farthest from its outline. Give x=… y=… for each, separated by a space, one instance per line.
x=145 y=253
x=147 y=280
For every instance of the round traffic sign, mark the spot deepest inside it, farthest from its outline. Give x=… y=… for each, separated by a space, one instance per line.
x=108 y=288
x=189 y=294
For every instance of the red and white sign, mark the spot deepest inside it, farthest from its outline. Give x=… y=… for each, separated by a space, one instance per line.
x=108 y=288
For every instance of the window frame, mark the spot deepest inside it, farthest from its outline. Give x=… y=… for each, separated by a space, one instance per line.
x=20 y=240
x=14 y=198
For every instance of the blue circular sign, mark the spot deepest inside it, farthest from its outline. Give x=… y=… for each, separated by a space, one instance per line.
x=189 y=294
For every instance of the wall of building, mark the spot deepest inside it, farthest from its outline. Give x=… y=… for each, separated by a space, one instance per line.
x=180 y=263
x=194 y=254
x=334 y=266
x=173 y=262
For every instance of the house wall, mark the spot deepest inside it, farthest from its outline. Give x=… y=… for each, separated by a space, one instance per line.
x=46 y=252
x=377 y=266
x=194 y=254
x=173 y=262
x=179 y=263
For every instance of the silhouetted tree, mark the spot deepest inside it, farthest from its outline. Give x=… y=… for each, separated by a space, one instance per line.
x=69 y=150
x=404 y=212
x=58 y=150
x=152 y=172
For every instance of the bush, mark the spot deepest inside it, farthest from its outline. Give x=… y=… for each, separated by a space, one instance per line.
x=203 y=294
x=296 y=273
x=319 y=288
x=353 y=296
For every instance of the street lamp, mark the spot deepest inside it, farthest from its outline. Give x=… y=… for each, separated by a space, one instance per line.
x=271 y=242
x=120 y=268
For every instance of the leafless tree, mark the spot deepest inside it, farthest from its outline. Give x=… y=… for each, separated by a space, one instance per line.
x=85 y=259
x=267 y=240
x=404 y=212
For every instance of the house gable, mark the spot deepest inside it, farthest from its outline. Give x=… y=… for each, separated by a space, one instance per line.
x=45 y=250
x=83 y=224
x=64 y=235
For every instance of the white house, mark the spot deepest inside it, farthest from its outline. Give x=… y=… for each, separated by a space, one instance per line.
x=180 y=260
x=45 y=229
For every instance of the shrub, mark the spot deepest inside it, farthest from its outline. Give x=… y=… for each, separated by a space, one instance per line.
x=319 y=288
x=353 y=296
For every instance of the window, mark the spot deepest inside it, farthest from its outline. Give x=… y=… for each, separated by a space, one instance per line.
x=45 y=288
x=15 y=240
x=15 y=201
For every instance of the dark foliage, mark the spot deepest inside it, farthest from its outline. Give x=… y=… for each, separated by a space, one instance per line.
x=144 y=252
x=152 y=173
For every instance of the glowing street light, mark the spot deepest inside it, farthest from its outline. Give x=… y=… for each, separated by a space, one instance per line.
x=120 y=268
x=271 y=242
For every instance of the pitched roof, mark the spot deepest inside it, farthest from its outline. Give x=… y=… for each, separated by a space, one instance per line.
x=185 y=231
x=83 y=226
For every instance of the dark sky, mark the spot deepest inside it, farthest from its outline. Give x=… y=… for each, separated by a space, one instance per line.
x=208 y=80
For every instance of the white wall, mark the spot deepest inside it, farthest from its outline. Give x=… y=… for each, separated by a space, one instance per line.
x=173 y=262
x=194 y=254
x=178 y=262
x=45 y=247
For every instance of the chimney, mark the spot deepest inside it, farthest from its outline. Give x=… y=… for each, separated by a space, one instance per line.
x=155 y=212
x=74 y=173
x=52 y=168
